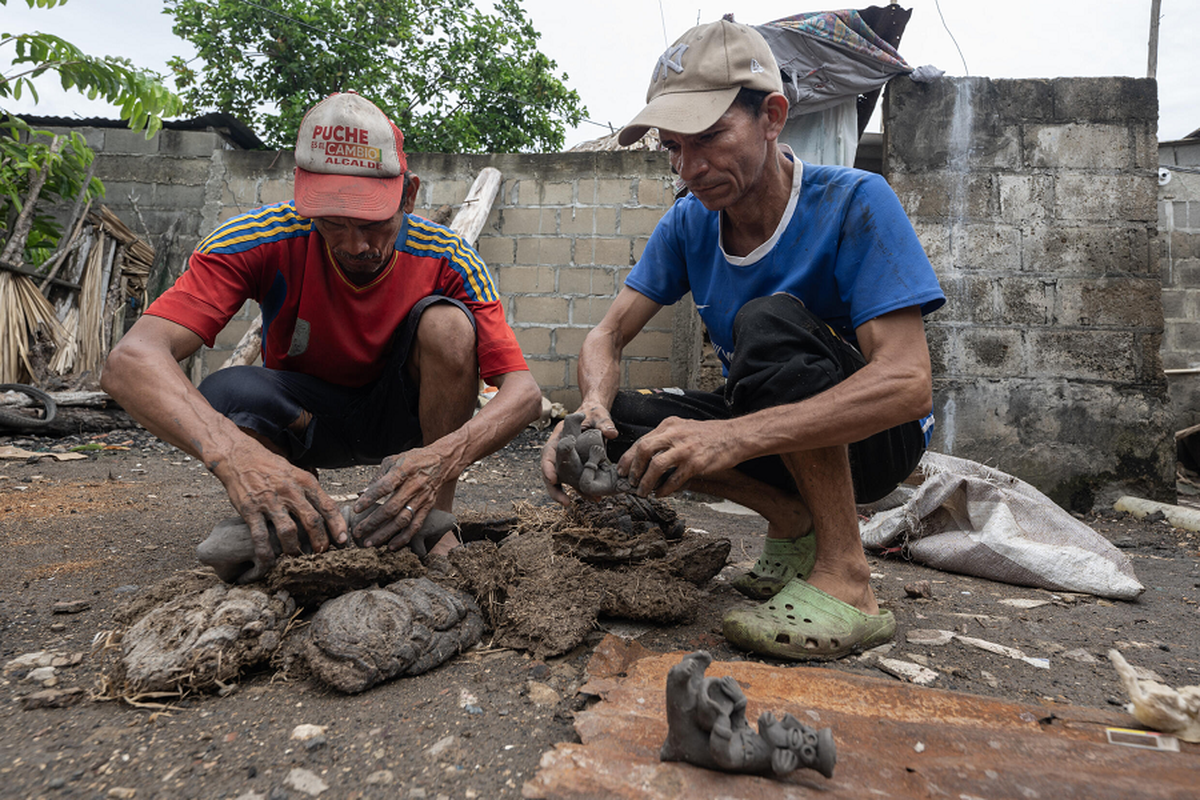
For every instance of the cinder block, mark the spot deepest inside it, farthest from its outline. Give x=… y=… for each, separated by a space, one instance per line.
x=935 y=240
x=941 y=343
x=518 y=221
x=1105 y=99
x=1025 y=197
x=541 y=193
x=639 y=221
x=655 y=192
x=192 y=171
x=526 y=280
x=610 y=192
x=639 y=247
x=549 y=374
x=588 y=311
x=446 y=191
x=971 y=298
x=276 y=191
x=995 y=248
x=533 y=341
x=587 y=280
x=1174 y=301
x=569 y=341
x=199 y=144
x=497 y=251
x=1079 y=146
x=125 y=141
x=943 y=194
x=570 y=398
x=606 y=251
x=1145 y=147
x=1087 y=250
x=1125 y=302
x=1026 y=301
x=539 y=309
x=649 y=344
x=588 y=221
x=991 y=352
x=1083 y=354
x=543 y=250
x=178 y=198
x=664 y=318
x=651 y=374
x=1183 y=244
x=241 y=192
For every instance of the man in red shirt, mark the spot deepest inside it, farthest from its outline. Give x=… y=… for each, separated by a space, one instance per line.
x=377 y=327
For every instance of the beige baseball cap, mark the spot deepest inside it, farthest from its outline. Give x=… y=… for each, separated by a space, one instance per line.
x=697 y=78
x=350 y=160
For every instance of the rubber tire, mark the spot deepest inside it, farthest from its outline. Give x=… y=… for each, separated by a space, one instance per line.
x=9 y=419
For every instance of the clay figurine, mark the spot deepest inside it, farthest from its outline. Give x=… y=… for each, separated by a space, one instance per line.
x=706 y=726
x=230 y=551
x=582 y=460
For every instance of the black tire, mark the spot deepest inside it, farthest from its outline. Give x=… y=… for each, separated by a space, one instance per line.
x=20 y=422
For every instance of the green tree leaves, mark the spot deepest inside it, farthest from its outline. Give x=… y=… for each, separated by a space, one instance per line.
x=455 y=79
x=139 y=95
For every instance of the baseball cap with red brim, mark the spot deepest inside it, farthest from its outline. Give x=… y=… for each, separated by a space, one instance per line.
x=350 y=160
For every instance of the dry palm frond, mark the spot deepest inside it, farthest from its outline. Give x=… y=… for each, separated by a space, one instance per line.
x=90 y=339
x=22 y=310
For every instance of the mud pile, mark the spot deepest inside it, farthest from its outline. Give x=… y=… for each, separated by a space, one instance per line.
x=539 y=579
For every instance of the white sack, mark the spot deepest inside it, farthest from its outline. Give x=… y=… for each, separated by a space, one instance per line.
x=972 y=519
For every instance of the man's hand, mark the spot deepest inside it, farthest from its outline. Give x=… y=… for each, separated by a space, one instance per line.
x=264 y=488
x=665 y=459
x=595 y=416
x=409 y=481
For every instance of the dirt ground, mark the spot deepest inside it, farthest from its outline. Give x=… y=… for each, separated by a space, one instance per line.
x=80 y=539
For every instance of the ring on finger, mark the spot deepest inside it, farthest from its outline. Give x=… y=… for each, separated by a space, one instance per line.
x=409 y=509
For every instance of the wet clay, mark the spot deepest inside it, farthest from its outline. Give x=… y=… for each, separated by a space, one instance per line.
x=202 y=639
x=369 y=636
x=582 y=460
x=546 y=585
x=229 y=550
x=706 y=726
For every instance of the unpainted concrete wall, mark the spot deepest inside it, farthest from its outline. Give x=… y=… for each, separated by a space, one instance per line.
x=1036 y=201
x=1179 y=261
x=1043 y=230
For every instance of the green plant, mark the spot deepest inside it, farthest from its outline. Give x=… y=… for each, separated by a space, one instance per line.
x=27 y=153
x=455 y=79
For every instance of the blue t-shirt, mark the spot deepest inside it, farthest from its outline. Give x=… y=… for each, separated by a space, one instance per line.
x=844 y=247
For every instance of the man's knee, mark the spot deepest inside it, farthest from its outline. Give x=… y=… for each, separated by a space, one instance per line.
x=446 y=336
x=232 y=388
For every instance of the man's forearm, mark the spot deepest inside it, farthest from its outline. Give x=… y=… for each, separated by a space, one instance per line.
x=599 y=370
x=516 y=404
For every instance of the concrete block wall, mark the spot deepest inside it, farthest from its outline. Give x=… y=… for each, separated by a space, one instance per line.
x=1179 y=263
x=152 y=183
x=1036 y=202
x=563 y=232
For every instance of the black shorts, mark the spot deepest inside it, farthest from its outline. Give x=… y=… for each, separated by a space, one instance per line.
x=783 y=354
x=350 y=425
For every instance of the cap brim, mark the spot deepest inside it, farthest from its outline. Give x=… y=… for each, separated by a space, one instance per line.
x=358 y=197
x=679 y=112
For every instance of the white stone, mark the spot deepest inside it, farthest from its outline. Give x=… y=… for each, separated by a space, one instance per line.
x=303 y=780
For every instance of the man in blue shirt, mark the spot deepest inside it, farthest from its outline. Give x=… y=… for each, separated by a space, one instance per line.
x=812 y=285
